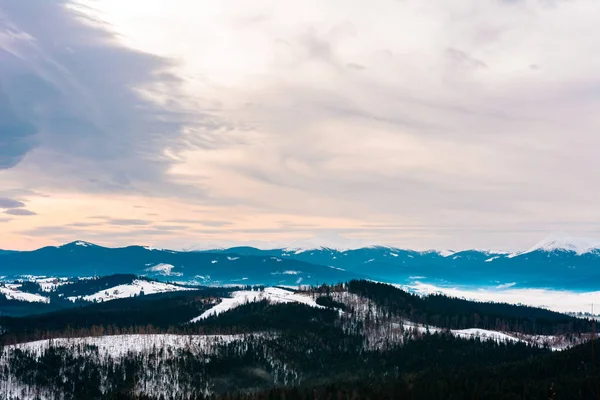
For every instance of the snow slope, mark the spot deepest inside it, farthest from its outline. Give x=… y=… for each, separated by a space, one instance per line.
x=272 y=294
x=131 y=290
x=13 y=293
x=120 y=345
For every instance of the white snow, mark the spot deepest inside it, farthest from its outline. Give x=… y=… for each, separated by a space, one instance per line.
x=164 y=269
x=506 y=285
x=13 y=293
x=445 y=253
x=575 y=245
x=287 y=272
x=152 y=248
x=131 y=290
x=117 y=346
x=272 y=294
x=232 y=258
x=492 y=259
x=484 y=334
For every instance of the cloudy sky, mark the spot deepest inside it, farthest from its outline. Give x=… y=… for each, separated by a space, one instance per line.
x=437 y=124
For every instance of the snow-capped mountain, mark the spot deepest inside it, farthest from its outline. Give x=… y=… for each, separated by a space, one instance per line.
x=327 y=241
x=556 y=263
x=575 y=245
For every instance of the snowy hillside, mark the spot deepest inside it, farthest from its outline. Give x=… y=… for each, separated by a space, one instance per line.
x=120 y=345
x=12 y=292
x=135 y=288
x=272 y=294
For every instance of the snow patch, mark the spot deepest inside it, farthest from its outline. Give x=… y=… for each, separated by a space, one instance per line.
x=164 y=269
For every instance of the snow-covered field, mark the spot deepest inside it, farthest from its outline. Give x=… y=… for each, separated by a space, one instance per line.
x=272 y=294
x=131 y=290
x=50 y=284
x=12 y=292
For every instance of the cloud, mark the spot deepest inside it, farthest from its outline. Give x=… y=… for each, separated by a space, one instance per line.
x=128 y=222
x=19 y=211
x=82 y=224
x=10 y=203
x=168 y=227
x=81 y=109
x=17 y=135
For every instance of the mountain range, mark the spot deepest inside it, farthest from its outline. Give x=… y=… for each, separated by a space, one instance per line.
x=557 y=264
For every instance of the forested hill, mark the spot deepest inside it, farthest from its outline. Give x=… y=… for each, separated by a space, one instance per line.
x=356 y=340
x=454 y=313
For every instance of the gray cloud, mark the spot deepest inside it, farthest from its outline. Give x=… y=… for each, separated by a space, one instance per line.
x=19 y=211
x=128 y=222
x=10 y=203
x=169 y=227
x=16 y=137
x=57 y=97
x=82 y=224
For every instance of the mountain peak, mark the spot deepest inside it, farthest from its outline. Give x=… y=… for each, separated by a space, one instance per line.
x=80 y=243
x=575 y=245
x=330 y=240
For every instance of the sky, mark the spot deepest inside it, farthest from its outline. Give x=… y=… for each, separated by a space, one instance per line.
x=183 y=124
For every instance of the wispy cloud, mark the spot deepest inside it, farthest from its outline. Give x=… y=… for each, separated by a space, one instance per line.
x=19 y=211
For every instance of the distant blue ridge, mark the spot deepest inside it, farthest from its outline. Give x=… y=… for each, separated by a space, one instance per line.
x=541 y=268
